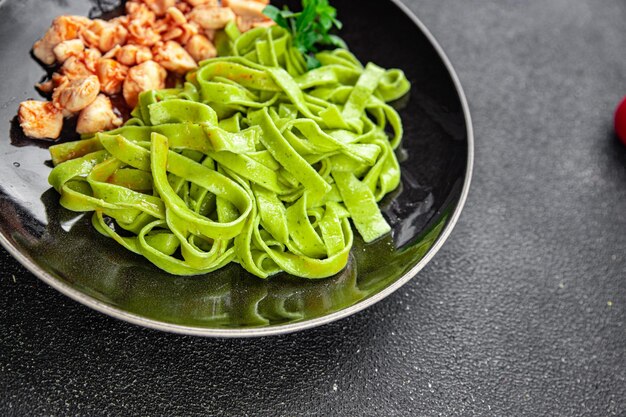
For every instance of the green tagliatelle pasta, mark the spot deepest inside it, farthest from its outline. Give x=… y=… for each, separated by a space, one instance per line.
x=253 y=160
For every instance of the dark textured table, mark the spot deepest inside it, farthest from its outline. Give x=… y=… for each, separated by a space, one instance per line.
x=521 y=313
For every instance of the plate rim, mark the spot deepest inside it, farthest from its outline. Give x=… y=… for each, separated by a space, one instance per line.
x=280 y=329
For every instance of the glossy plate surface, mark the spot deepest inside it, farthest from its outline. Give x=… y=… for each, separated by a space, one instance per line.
x=61 y=248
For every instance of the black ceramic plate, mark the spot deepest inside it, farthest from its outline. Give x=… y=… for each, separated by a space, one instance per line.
x=61 y=248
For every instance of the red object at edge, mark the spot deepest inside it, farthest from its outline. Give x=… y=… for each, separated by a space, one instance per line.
x=620 y=121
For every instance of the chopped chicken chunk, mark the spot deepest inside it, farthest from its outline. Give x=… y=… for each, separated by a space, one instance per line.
x=140 y=23
x=209 y=17
x=111 y=75
x=226 y=3
x=247 y=8
x=74 y=68
x=189 y=30
x=142 y=35
x=98 y=117
x=111 y=36
x=159 y=7
x=174 y=58
x=183 y=7
x=113 y=52
x=75 y=95
x=63 y=28
x=66 y=49
x=130 y=55
x=161 y=26
x=45 y=87
x=200 y=48
x=90 y=58
x=140 y=14
x=171 y=34
x=176 y=16
x=194 y=3
x=146 y=76
x=40 y=119
x=262 y=23
x=245 y=24
x=104 y=35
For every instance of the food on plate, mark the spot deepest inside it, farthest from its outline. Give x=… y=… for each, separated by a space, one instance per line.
x=261 y=156
x=111 y=75
x=98 y=116
x=145 y=76
x=76 y=94
x=309 y=28
x=173 y=35
x=40 y=118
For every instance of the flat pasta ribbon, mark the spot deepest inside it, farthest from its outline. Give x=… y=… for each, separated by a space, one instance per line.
x=251 y=160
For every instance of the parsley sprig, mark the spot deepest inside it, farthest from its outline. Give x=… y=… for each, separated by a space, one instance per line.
x=310 y=28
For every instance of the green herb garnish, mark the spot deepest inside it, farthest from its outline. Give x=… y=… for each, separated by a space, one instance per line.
x=310 y=27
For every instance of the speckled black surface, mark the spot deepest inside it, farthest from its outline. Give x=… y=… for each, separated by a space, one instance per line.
x=521 y=313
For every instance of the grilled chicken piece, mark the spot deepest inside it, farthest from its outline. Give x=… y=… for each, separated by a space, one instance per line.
x=131 y=55
x=159 y=7
x=40 y=119
x=194 y=3
x=247 y=8
x=82 y=65
x=146 y=76
x=75 y=95
x=66 y=49
x=104 y=35
x=200 y=48
x=176 y=16
x=63 y=28
x=173 y=57
x=210 y=17
x=111 y=75
x=98 y=117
